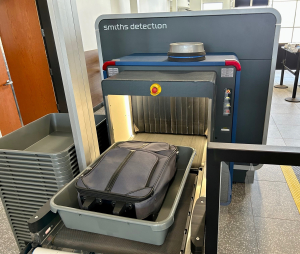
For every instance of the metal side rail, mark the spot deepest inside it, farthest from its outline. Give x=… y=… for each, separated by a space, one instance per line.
x=243 y=153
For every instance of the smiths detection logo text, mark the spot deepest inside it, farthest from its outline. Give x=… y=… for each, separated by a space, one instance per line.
x=140 y=26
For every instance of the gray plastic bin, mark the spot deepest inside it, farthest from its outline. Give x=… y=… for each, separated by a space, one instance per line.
x=33 y=158
x=35 y=162
x=55 y=163
x=65 y=202
x=48 y=137
x=34 y=172
x=19 y=164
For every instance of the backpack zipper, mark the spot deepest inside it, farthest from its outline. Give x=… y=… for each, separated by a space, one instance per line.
x=151 y=174
x=118 y=171
x=113 y=196
x=144 y=144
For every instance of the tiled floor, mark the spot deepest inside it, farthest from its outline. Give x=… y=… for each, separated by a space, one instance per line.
x=263 y=217
x=7 y=240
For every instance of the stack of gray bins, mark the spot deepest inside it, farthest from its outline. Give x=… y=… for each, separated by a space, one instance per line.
x=35 y=162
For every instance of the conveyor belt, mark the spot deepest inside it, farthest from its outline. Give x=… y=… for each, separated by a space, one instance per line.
x=74 y=239
x=197 y=142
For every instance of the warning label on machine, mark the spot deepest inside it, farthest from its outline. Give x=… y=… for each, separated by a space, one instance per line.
x=226 y=72
x=112 y=71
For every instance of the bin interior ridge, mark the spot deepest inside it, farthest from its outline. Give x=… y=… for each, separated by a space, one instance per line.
x=50 y=134
x=54 y=142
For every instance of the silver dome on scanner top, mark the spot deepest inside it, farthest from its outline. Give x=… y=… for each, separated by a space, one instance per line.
x=186 y=52
x=186 y=47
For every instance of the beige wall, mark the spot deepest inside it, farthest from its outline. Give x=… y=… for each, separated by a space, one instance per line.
x=90 y=10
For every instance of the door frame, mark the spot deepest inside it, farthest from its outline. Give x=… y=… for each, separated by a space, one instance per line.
x=11 y=84
x=49 y=42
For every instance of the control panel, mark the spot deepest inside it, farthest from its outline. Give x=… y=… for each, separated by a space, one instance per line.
x=227 y=102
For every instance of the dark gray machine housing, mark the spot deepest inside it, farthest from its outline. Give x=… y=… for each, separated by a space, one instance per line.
x=252 y=37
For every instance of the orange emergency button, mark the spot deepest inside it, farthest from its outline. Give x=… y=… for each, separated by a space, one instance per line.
x=155 y=89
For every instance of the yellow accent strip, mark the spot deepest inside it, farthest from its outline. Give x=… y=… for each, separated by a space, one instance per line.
x=293 y=184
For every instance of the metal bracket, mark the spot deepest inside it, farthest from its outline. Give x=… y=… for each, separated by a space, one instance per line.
x=198 y=227
x=48 y=233
x=119 y=208
x=8 y=82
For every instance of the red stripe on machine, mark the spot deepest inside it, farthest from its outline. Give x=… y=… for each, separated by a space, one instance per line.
x=108 y=63
x=233 y=62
